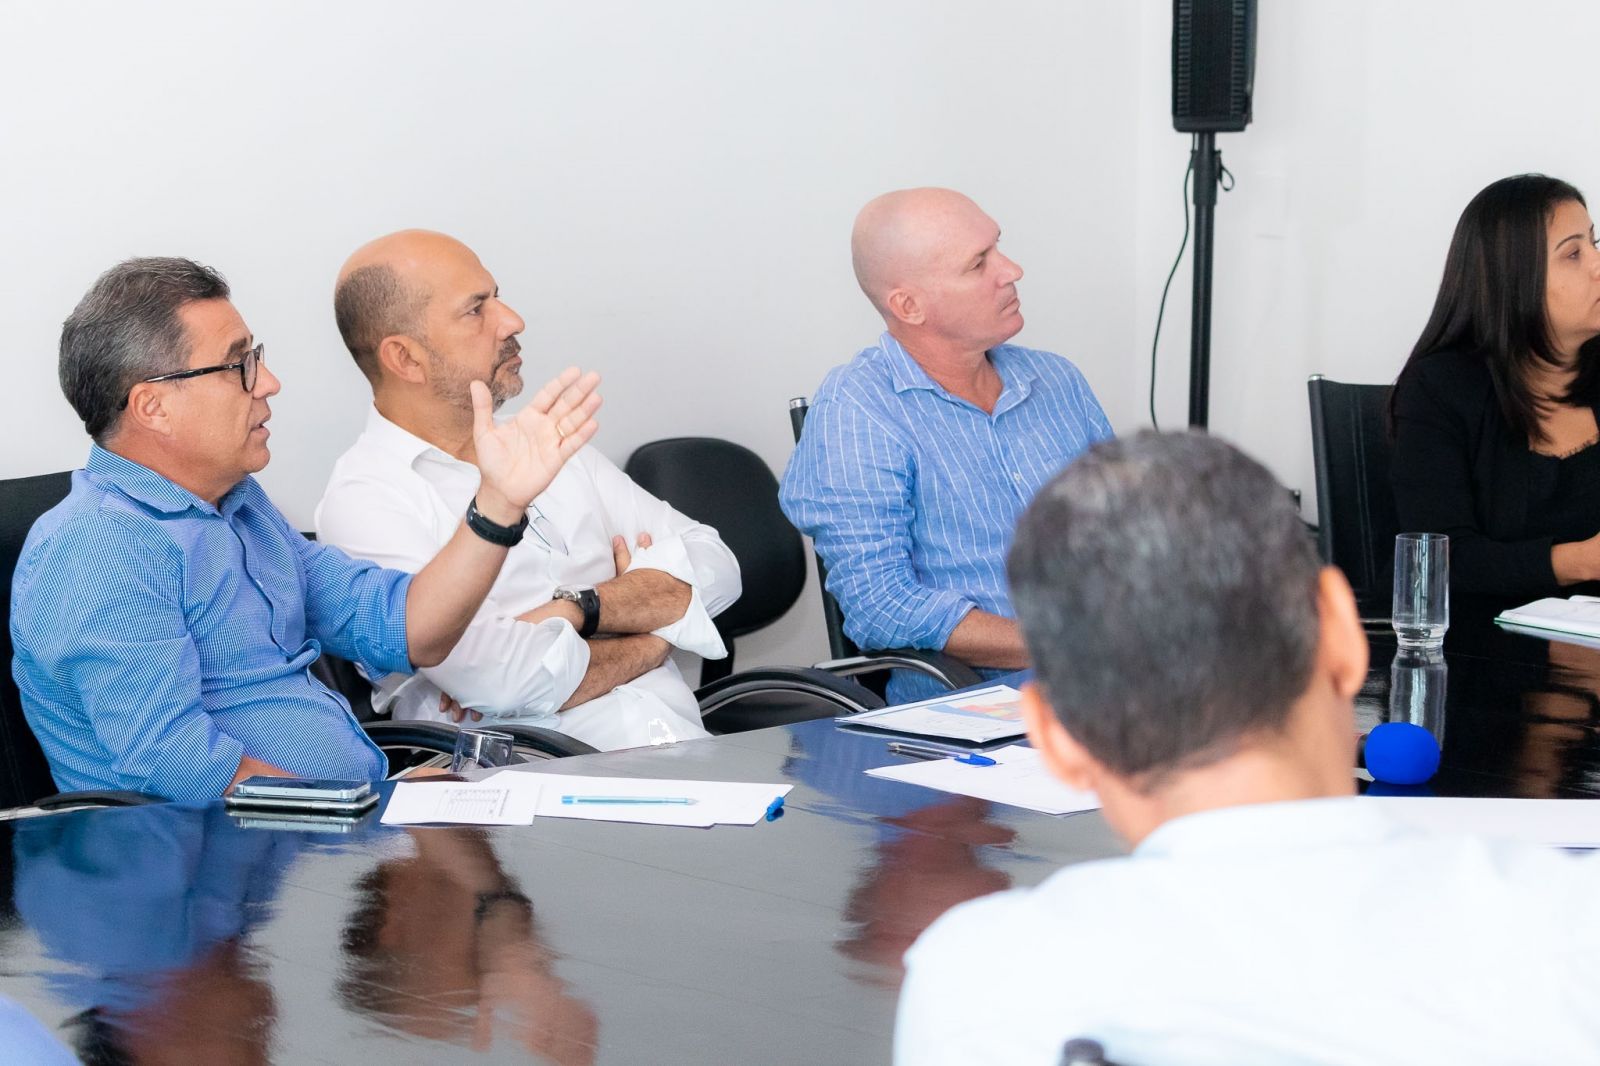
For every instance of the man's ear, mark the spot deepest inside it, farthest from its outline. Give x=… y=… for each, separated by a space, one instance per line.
x=147 y=408
x=1341 y=642
x=906 y=306
x=399 y=356
x=1063 y=756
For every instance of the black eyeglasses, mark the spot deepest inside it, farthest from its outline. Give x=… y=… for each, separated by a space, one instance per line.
x=247 y=366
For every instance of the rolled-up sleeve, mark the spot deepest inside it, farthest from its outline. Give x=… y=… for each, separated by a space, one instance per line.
x=848 y=487
x=690 y=551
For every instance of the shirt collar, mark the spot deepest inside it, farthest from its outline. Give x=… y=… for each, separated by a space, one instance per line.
x=1256 y=827
x=906 y=374
x=145 y=486
x=400 y=442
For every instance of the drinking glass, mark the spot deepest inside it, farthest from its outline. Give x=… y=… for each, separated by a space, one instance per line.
x=481 y=749
x=1418 y=681
x=1421 y=589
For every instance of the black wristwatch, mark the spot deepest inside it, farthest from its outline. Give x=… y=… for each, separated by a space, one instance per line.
x=494 y=532
x=588 y=600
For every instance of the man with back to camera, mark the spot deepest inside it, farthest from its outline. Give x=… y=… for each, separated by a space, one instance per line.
x=1196 y=666
x=575 y=634
x=165 y=614
x=920 y=454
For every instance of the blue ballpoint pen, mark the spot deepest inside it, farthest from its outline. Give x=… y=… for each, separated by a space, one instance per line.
x=681 y=800
x=927 y=751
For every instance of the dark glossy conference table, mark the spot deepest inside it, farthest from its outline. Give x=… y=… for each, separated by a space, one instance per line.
x=171 y=934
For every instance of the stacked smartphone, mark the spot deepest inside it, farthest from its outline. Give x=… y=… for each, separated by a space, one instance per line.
x=300 y=803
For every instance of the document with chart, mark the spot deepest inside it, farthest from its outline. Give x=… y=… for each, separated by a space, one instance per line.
x=981 y=716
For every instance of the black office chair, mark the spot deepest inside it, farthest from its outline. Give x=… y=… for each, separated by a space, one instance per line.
x=24 y=772
x=728 y=487
x=874 y=666
x=1357 y=522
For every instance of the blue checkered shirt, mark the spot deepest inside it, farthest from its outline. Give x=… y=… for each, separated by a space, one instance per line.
x=912 y=495
x=159 y=638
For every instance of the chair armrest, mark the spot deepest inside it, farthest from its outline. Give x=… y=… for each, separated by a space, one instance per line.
x=420 y=736
x=66 y=801
x=947 y=670
x=549 y=742
x=440 y=738
x=834 y=689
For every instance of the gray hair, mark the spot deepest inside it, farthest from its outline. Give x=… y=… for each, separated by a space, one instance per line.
x=370 y=304
x=125 y=329
x=1167 y=591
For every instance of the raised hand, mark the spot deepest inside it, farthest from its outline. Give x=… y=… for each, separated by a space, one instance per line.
x=518 y=458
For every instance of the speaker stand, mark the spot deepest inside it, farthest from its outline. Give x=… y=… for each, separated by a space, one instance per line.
x=1207 y=163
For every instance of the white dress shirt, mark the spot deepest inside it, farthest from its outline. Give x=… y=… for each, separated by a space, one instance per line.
x=1310 y=932
x=396 y=499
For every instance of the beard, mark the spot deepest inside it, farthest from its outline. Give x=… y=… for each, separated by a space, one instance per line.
x=451 y=382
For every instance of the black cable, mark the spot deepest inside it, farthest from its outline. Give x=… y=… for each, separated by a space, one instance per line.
x=1161 y=312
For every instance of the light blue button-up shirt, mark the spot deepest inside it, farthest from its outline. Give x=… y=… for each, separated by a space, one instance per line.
x=159 y=638
x=912 y=495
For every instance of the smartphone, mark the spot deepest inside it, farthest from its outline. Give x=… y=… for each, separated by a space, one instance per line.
x=300 y=788
x=245 y=804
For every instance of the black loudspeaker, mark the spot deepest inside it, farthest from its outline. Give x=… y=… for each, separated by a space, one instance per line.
x=1213 y=64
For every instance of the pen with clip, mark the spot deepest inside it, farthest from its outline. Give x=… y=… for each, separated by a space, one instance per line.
x=928 y=751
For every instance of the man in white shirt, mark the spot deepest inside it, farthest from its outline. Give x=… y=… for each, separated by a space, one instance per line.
x=1196 y=666
x=607 y=579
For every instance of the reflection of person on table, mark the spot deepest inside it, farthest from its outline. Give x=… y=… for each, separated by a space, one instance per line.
x=152 y=906
x=920 y=873
x=1558 y=722
x=444 y=946
x=1494 y=419
x=927 y=856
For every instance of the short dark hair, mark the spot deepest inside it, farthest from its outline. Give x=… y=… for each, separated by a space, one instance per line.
x=125 y=329
x=1167 y=590
x=1491 y=300
x=372 y=303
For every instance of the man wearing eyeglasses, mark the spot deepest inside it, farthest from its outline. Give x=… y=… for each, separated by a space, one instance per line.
x=165 y=615
x=575 y=634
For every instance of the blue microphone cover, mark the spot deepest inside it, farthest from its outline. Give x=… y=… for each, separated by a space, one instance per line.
x=1401 y=753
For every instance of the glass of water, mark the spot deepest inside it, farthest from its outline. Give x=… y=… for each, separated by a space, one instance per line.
x=1421 y=589
x=481 y=749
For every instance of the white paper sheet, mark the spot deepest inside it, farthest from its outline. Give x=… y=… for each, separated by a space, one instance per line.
x=1579 y=615
x=455 y=803
x=1018 y=778
x=715 y=802
x=980 y=716
x=1561 y=823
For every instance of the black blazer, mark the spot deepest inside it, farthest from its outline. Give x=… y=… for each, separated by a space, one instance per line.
x=1458 y=469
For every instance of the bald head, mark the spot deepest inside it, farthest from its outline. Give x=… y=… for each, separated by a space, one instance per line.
x=900 y=237
x=384 y=288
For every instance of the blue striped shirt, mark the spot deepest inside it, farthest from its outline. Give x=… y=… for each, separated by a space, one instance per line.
x=159 y=638
x=912 y=495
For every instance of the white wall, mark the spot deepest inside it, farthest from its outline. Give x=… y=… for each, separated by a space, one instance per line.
x=1375 y=122
x=664 y=190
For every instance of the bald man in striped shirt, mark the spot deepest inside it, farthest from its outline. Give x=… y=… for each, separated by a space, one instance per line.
x=921 y=453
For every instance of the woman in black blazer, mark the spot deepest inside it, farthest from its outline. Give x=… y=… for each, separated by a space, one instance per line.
x=1496 y=438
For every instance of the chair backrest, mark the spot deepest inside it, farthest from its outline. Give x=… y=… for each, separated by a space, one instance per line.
x=1356 y=515
x=24 y=771
x=729 y=487
x=839 y=645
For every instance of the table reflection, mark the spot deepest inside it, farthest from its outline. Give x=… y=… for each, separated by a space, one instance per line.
x=444 y=945
x=151 y=910
x=927 y=856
